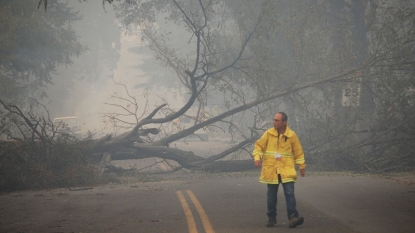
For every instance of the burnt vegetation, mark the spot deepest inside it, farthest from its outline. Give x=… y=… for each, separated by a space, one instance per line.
x=346 y=82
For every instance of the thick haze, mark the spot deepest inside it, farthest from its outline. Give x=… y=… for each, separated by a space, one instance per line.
x=341 y=70
x=114 y=56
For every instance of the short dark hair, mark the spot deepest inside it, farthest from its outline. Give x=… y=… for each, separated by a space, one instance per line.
x=284 y=116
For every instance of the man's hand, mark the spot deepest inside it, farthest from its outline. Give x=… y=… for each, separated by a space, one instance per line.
x=257 y=163
x=302 y=172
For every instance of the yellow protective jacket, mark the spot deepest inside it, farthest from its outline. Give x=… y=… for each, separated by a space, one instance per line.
x=289 y=146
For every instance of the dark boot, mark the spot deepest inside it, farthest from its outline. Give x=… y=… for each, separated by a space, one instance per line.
x=295 y=221
x=271 y=222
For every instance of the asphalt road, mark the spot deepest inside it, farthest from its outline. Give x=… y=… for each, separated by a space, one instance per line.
x=213 y=204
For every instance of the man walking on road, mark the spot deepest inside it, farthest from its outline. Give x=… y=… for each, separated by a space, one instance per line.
x=280 y=149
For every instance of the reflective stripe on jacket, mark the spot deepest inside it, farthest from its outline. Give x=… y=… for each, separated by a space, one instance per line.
x=289 y=146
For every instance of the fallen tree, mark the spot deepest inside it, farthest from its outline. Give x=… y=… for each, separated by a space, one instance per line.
x=252 y=85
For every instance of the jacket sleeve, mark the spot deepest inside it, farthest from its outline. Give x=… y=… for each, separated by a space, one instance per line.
x=260 y=147
x=298 y=153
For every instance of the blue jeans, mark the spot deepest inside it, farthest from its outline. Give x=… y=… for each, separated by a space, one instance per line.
x=289 y=199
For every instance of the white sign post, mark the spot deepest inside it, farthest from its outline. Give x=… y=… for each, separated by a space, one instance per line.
x=351 y=95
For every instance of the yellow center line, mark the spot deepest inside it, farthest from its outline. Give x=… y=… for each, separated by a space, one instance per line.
x=191 y=224
x=203 y=216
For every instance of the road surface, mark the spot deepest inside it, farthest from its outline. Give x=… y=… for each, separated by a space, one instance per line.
x=214 y=203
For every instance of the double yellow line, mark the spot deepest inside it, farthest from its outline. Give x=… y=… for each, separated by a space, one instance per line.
x=189 y=216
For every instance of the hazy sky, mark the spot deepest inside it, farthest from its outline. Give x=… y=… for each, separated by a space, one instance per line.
x=89 y=97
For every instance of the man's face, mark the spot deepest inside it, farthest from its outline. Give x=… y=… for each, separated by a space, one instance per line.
x=278 y=123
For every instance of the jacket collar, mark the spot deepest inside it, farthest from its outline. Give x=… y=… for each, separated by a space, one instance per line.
x=288 y=132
